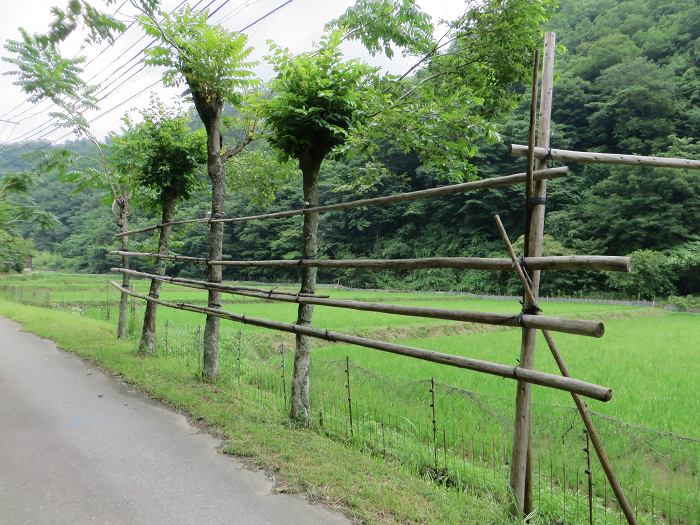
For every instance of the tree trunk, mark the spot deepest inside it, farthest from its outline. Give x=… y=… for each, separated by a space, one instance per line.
x=301 y=406
x=123 y=222
x=215 y=169
x=148 y=333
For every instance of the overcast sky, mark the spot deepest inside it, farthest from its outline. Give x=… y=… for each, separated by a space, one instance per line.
x=297 y=26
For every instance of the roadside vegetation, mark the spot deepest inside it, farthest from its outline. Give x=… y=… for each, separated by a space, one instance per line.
x=384 y=438
x=649 y=427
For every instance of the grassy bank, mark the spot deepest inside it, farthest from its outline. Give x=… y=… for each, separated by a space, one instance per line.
x=649 y=428
x=365 y=487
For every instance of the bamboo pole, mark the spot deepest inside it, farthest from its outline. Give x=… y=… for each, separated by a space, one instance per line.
x=520 y=475
x=544 y=153
x=567 y=384
x=530 y=182
x=453 y=189
x=580 y=403
x=237 y=290
x=595 y=437
x=567 y=262
x=556 y=324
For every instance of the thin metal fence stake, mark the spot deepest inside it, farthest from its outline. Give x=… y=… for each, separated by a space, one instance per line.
x=347 y=388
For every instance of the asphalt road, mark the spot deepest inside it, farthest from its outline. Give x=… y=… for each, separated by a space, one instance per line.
x=78 y=446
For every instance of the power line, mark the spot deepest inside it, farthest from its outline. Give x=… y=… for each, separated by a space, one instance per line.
x=27 y=101
x=255 y=22
x=266 y=15
x=237 y=10
x=134 y=57
x=106 y=112
x=45 y=125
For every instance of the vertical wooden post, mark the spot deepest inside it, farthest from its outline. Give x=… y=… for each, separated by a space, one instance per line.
x=123 y=222
x=520 y=472
x=580 y=404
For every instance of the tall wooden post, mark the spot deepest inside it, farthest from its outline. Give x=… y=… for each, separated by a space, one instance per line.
x=520 y=472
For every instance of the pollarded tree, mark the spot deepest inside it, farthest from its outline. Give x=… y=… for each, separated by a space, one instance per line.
x=316 y=99
x=212 y=62
x=165 y=156
x=44 y=73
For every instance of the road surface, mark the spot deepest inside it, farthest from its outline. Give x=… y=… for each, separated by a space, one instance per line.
x=78 y=446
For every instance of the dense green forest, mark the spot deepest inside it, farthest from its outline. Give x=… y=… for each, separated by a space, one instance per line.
x=627 y=80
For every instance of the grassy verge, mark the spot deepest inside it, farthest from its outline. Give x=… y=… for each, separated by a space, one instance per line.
x=466 y=449
x=368 y=488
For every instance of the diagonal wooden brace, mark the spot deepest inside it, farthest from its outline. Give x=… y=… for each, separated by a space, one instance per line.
x=580 y=403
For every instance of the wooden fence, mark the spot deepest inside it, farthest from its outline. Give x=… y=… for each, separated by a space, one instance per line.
x=527 y=268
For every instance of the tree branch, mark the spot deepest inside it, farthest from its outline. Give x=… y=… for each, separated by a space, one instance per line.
x=234 y=150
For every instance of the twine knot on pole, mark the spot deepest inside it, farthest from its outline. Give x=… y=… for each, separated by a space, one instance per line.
x=530 y=309
x=548 y=157
x=535 y=201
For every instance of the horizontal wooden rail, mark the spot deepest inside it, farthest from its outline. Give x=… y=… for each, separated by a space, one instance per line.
x=555 y=324
x=606 y=158
x=453 y=189
x=567 y=262
x=567 y=384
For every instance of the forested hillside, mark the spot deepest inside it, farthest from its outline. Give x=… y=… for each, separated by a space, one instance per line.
x=628 y=80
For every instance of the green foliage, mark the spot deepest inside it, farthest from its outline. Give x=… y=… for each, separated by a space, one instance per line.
x=316 y=98
x=162 y=151
x=380 y=23
x=685 y=262
x=471 y=76
x=631 y=72
x=685 y=303
x=257 y=174
x=49 y=261
x=492 y=48
x=43 y=72
x=14 y=250
x=16 y=207
x=654 y=208
x=626 y=79
x=211 y=60
x=651 y=276
x=100 y=25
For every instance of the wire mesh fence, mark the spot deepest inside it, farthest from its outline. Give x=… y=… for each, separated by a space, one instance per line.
x=458 y=438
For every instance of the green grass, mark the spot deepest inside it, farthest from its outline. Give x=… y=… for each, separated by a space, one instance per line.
x=652 y=390
x=648 y=357
x=369 y=488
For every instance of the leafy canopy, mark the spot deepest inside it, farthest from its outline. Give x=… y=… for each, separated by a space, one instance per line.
x=445 y=105
x=380 y=23
x=211 y=60
x=163 y=152
x=258 y=174
x=316 y=98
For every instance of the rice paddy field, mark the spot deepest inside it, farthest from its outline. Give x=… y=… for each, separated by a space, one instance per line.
x=451 y=425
